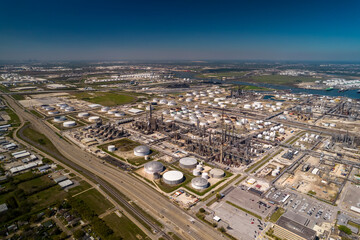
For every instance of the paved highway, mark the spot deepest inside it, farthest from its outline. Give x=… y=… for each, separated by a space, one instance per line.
x=150 y=200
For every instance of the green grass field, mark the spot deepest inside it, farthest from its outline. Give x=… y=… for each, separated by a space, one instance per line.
x=276 y=215
x=97 y=202
x=35 y=184
x=281 y=80
x=221 y=75
x=254 y=88
x=125 y=145
x=83 y=185
x=47 y=197
x=39 y=138
x=105 y=98
x=14 y=119
x=124 y=228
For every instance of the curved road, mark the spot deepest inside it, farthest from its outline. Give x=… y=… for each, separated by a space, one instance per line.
x=148 y=199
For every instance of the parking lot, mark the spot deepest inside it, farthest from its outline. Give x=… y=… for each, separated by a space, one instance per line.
x=304 y=209
x=242 y=225
x=243 y=198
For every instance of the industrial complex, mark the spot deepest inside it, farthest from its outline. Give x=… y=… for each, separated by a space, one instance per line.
x=190 y=159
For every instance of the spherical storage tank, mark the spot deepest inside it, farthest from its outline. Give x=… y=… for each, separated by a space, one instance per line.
x=188 y=162
x=83 y=114
x=69 y=124
x=199 y=183
x=59 y=119
x=153 y=167
x=141 y=151
x=173 y=177
x=111 y=148
x=216 y=173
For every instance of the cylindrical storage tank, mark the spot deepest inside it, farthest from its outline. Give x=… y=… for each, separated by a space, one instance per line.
x=49 y=108
x=141 y=151
x=59 y=119
x=199 y=183
x=69 y=109
x=104 y=109
x=94 y=118
x=53 y=112
x=153 y=167
x=196 y=172
x=111 y=148
x=199 y=167
x=163 y=101
x=69 y=124
x=173 y=177
x=217 y=173
x=205 y=175
x=83 y=114
x=112 y=111
x=120 y=114
x=188 y=162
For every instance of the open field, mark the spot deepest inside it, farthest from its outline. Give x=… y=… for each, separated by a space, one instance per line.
x=280 y=79
x=95 y=201
x=124 y=151
x=123 y=227
x=276 y=215
x=14 y=119
x=38 y=138
x=105 y=98
x=231 y=74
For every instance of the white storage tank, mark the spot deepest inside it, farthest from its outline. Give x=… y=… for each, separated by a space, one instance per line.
x=188 y=162
x=111 y=148
x=199 y=183
x=120 y=114
x=199 y=167
x=59 y=119
x=196 y=172
x=69 y=124
x=104 y=109
x=141 y=151
x=112 y=112
x=217 y=173
x=53 y=112
x=153 y=167
x=173 y=177
x=94 y=119
x=205 y=175
x=69 y=109
x=83 y=114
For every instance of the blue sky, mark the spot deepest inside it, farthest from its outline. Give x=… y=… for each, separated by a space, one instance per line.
x=184 y=30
